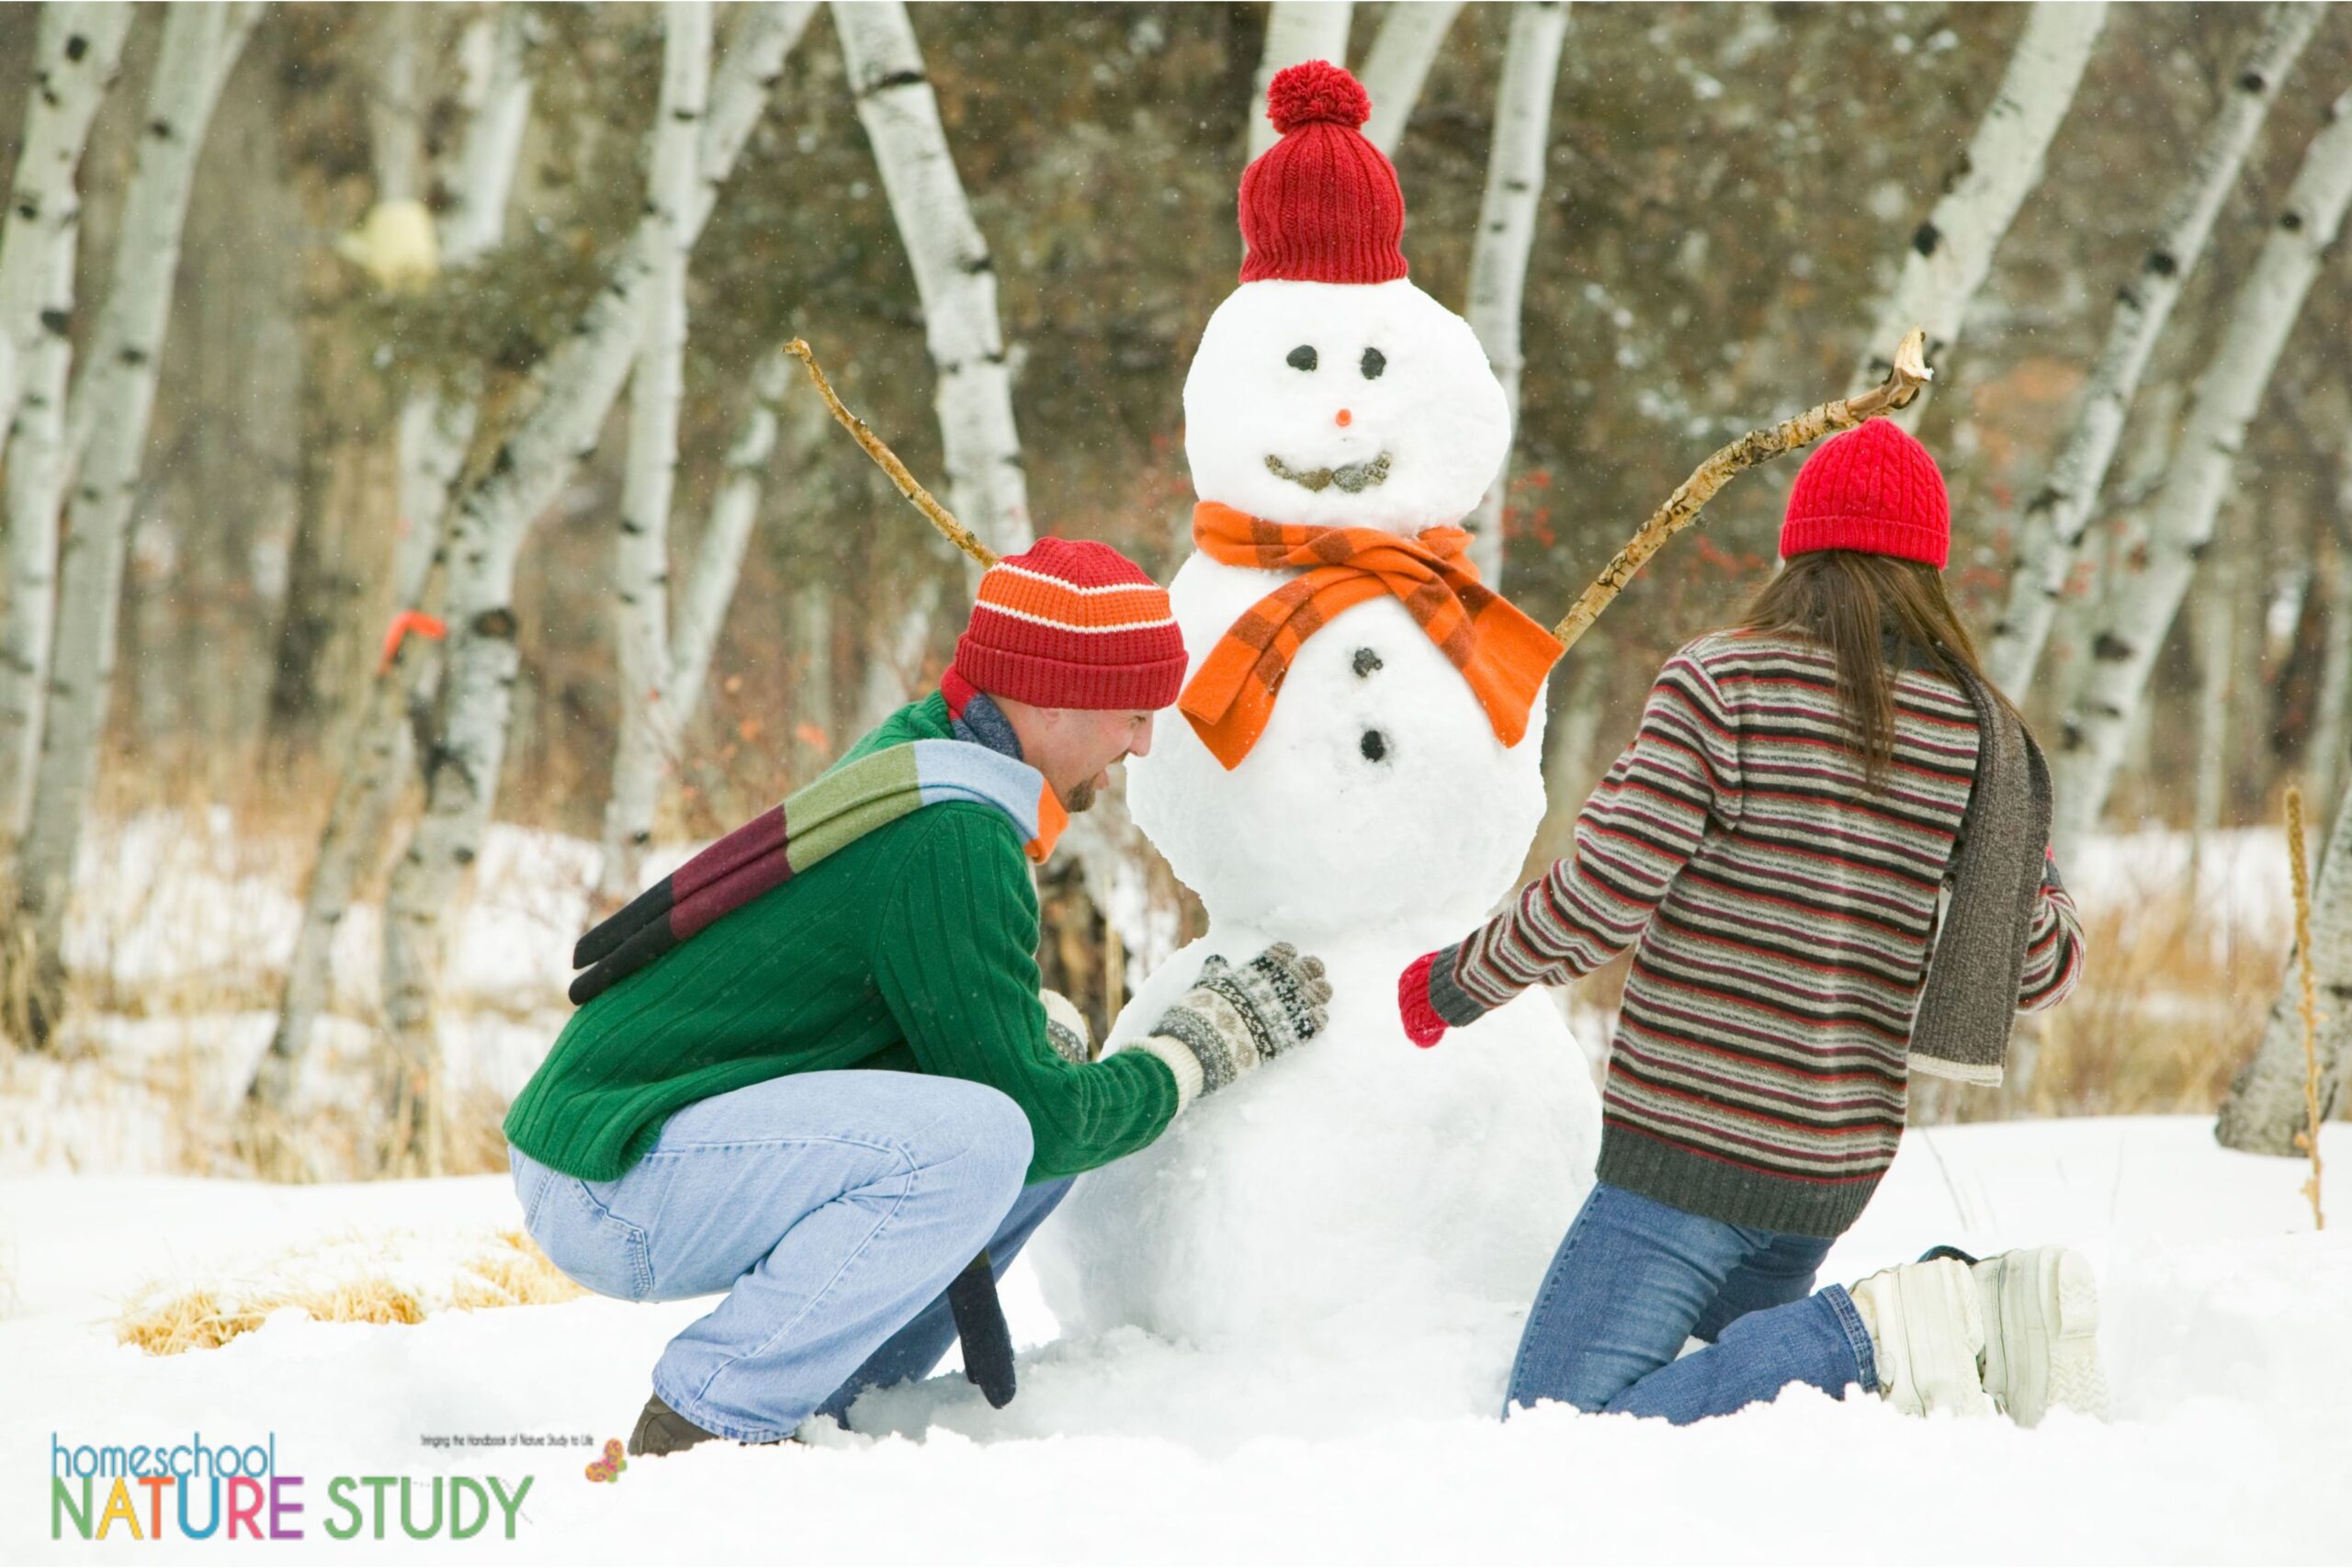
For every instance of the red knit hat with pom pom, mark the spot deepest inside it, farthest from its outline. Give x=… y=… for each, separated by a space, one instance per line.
x=1322 y=205
x=1873 y=489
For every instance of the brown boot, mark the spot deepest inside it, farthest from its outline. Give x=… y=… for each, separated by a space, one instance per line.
x=662 y=1430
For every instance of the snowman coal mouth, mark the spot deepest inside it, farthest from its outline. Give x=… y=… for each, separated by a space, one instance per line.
x=1349 y=477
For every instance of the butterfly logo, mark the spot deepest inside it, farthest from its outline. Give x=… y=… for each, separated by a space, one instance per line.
x=609 y=1468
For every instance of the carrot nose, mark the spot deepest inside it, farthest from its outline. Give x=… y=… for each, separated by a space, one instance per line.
x=1346 y=419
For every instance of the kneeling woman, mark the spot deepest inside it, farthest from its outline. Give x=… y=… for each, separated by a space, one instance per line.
x=1827 y=846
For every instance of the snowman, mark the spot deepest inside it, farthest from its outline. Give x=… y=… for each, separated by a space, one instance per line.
x=1357 y=770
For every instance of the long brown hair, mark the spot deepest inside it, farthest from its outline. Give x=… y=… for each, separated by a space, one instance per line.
x=1855 y=604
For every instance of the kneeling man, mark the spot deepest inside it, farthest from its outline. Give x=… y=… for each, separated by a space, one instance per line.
x=813 y=1069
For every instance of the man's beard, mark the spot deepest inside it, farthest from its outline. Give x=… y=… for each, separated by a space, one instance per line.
x=1079 y=797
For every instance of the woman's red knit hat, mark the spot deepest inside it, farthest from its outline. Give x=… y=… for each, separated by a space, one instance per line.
x=1871 y=489
x=1321 y=205
x=1072 y=623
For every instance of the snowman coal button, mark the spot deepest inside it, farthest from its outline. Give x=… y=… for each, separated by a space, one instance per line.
x=1366 y=661
x=1374 y=746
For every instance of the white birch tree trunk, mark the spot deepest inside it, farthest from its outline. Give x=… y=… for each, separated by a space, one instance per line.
x=117 y=386
x=657 y=389
x=76 y=59
x=1402 y=52
x=1507 y=232
x=395 y=116
x=2265 y=1106
x=2123 y=650
x=2216 y=659
x=434 y=431
x=2109 y=554
x=745 y=78
x=719 y=555
x=2326 y=768
x=576 y=386
x=1296 y=31
x=955 y=275
x=1949 y=255
x=2048 y=530
x=816 y=741
x=894 y=650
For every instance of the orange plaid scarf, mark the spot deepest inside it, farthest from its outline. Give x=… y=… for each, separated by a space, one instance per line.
x=1503 y=653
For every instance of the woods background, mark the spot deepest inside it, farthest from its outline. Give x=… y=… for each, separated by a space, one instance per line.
x=387 y=375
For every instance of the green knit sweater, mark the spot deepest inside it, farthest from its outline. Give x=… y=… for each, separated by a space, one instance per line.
x=912 y=950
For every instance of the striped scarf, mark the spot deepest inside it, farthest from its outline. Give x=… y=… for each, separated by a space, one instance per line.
x=1503 y=653
x=816 y=819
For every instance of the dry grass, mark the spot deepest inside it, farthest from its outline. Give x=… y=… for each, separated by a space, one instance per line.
x=2165 y=1016
x=511 y=1272
x=201 y=1320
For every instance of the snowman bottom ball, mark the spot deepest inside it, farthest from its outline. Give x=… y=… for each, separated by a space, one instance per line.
x=1353 y=1193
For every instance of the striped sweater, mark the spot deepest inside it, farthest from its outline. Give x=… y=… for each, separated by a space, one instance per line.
x=1782 y=915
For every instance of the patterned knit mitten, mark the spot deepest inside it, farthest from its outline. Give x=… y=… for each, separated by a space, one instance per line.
x=1065 y=1028
x=1236 y=1018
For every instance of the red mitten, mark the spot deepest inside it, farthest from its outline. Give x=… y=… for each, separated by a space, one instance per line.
x=1423 y=1025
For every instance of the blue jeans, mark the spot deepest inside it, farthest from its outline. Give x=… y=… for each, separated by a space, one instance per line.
x=1635 y=1278
x=831 y=1207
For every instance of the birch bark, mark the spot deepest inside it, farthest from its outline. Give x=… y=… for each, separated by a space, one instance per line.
x=657 y=388
x=434 y=431
x=76 y=59
x=719 y=556
x=2047 y=531
x=2217 y=639
x=2113 y=553
x=893 y=650
x=2326 y=768
x=1295 y=30
x=2264 y=1108
x=1402 y=52
x=576 y=386
x=2123 y=650
x=955 y=275
x=1507 y=232
x=1949 y=255
x=117 y=386
x=395 y=118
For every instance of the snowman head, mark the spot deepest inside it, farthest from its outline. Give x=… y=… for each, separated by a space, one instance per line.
x=1329 y=390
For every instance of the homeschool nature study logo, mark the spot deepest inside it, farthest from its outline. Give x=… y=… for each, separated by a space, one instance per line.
x=201 y=1490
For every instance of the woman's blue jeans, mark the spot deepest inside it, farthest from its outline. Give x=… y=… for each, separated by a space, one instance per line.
x=832 y=1209
x=1635 y=1278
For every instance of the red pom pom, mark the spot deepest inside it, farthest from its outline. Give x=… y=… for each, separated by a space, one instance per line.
x=1316 y=91
x=1423 y=1025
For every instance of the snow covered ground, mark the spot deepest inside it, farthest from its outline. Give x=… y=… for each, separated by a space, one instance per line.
x=2225 y=1337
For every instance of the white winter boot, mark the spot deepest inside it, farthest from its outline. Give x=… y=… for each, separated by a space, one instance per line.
x=1927 y=1331
x=2041 y=1311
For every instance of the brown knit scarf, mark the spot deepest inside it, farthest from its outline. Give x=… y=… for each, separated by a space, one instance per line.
x=1969 y=1001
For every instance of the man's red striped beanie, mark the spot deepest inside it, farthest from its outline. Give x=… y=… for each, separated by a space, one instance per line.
x=1072 y=623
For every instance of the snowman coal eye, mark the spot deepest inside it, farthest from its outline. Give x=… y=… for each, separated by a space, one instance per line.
x=1374 y=746
x=1375 y=362
x=1302 y=358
